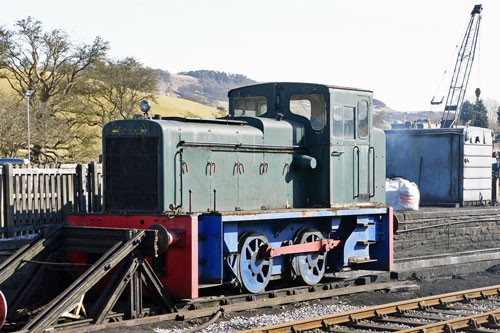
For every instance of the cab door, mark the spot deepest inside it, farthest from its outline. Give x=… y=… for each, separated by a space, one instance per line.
x=342 y=152
x=351 y=165
x=362 y=153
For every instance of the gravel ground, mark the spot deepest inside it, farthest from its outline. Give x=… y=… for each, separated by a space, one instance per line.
x=301 y=311
x=268 y=316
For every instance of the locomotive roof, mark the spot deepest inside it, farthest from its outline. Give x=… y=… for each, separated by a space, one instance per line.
x=298 y=84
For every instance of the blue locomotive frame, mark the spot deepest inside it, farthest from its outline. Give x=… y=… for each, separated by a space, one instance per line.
x=365 y=235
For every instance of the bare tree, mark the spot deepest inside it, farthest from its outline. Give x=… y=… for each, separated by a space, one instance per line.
x=114 y=89
x=492 y=106
x=46 y=62
x=51 y=65
x=13 y=131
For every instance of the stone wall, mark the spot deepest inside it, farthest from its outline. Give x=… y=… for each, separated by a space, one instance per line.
x=439 y=231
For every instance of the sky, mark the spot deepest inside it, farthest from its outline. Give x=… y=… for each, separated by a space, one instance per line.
x=398 y=49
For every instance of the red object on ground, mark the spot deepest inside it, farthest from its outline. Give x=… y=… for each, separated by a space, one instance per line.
x=3 y=309
x=181 y=280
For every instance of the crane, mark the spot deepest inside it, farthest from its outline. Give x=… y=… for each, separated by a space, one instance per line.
x=461 y=73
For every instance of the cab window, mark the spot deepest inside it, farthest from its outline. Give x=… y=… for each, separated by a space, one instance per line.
x=348 y=122
x=311 y=106
x=343 y=121
x=362 y=119
x=338 y=121
x=250 y=106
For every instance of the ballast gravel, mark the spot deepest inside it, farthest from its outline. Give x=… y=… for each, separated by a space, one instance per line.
x=239 y=323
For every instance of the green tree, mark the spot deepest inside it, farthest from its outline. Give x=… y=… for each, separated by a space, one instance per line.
x=474 y=114
x=468 y=115
x=481 y=119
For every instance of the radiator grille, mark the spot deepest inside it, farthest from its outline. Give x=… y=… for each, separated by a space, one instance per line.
x=131 y=174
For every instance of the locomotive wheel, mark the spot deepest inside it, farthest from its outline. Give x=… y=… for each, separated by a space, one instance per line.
x=310 y=266
x=3 y=309
x=255 y=272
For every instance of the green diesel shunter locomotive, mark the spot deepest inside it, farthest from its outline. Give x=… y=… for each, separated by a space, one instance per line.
x=290 y=184
x=284 y=145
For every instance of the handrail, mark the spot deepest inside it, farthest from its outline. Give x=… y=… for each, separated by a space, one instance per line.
x=371 y=151
x=356 y=149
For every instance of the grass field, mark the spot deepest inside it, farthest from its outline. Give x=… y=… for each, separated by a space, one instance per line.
x=4 y=86
x=178 y=107
x=166 y=106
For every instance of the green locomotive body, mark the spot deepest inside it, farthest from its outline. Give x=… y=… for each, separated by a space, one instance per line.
x=283 y=145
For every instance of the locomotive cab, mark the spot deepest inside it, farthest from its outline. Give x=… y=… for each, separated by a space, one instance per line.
x=337 y=133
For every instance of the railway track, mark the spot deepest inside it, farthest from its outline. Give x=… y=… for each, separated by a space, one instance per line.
x=476 y=310
x=209 y=306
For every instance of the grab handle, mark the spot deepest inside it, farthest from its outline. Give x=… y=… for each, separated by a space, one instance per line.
x=371 y=175
x=356 y=186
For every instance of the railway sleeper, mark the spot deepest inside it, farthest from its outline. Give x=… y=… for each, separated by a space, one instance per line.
x=113 y=283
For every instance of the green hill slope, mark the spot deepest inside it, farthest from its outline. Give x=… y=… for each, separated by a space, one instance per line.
x=166 y=106
x=179 y=107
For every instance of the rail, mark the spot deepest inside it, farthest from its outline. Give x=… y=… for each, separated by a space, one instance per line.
x=378 y=316
x=210 y=306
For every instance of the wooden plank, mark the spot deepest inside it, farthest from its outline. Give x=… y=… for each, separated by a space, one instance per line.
x=93 y=185
x=50 y=169
x=43 y=204
x=18 y=205
x=57 y=192
x=53 y=203
x=94 y=191
x=36 y=199
x=9 y=201
x=71 y=192
x=81 y=188
x=47 y=200
x=64 y=196
x=29 y=197
x=24 y=200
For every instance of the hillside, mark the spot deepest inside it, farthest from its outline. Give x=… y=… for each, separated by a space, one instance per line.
x=167 y=106
x=211 y=88
x=202 y=86
x=384 y=116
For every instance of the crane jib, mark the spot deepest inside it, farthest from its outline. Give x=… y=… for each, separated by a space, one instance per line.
x=462 y=70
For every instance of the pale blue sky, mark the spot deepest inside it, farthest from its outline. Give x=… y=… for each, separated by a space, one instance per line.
x=398 y=49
